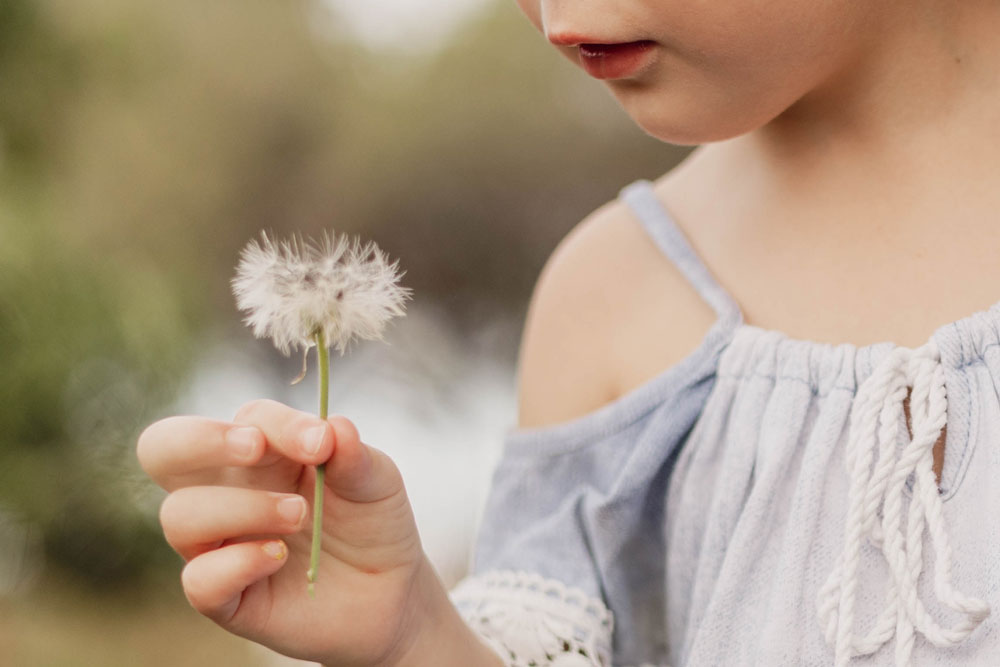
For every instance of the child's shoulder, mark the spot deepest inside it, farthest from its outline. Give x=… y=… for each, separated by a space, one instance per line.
x=608 y=313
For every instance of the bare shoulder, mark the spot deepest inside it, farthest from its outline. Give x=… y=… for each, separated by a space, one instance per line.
x=609 y=312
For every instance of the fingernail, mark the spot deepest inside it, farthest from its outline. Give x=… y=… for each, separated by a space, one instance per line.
x=313 y=439
x=292 y=510
x=243 y=440
x=275 y=550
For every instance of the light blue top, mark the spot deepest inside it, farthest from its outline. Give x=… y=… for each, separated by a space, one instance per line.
x=707 y=508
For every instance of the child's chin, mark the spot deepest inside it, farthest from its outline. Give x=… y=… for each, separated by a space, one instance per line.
x=693 y=133
x=691 y=124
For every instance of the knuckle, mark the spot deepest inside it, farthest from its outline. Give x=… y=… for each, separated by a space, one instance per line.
x=194 y=588
x=171 y=516
x=167 y=509
x=142 y=449
x=387 y=471
x=152 y=440
x=146 y=444
x=345 y=428
x=250 y=412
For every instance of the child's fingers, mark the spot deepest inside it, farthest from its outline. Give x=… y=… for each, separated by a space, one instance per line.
x=357 y=472
x=173 y=449
x=291 y=433
x=197 y=519
x=214 y=581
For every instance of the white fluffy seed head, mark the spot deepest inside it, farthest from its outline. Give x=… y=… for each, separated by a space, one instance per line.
x=292 y=289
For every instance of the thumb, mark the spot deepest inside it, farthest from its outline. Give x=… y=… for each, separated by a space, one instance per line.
x=357 y=472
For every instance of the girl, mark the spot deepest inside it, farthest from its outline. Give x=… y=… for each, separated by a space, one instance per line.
x=704 y=473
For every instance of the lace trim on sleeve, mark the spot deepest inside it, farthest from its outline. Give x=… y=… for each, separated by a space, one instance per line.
x=531 y=621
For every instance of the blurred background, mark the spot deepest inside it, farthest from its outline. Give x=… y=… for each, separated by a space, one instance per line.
x=141 y=145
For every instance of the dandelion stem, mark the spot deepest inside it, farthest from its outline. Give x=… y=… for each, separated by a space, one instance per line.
x=323 y=355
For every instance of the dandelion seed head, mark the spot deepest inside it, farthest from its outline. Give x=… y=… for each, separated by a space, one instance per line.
x=292 y=289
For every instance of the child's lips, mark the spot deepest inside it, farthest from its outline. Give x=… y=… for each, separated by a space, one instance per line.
x=615 y=61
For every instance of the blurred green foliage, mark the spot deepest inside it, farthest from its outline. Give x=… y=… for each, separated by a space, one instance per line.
x=142 y=144
x=86 y=356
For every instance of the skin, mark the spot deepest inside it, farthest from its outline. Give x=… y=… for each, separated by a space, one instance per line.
x=237 y=513
x=830 y=129
x=839 y=139
x=713 y=78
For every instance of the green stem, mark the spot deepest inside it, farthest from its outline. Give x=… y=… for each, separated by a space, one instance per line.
x=324 y=398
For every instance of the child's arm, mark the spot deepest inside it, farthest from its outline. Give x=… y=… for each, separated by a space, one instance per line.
x=237 y=513
x=535 y=589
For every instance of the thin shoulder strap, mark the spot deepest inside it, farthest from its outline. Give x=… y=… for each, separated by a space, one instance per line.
x=660 y=225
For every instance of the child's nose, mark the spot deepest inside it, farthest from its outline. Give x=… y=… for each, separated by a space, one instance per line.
x=561 y=22
x=533 y=11
x=571 y=22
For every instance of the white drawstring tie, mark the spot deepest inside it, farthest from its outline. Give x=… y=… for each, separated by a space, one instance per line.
x=875 y=511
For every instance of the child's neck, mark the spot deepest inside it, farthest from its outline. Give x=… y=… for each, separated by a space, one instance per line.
x=928 y=91
x=870 y=207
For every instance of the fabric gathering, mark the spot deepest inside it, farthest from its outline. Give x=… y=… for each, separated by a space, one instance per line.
x=766 y=501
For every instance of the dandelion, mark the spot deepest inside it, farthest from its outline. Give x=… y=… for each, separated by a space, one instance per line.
x=302 y=293
x=297 y=288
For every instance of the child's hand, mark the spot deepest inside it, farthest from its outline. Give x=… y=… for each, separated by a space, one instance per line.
x=237 y=513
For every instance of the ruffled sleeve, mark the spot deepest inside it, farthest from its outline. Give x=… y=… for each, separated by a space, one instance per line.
x=569 y=564
x=532 y=621
x=535 y=593
x=568 y=567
